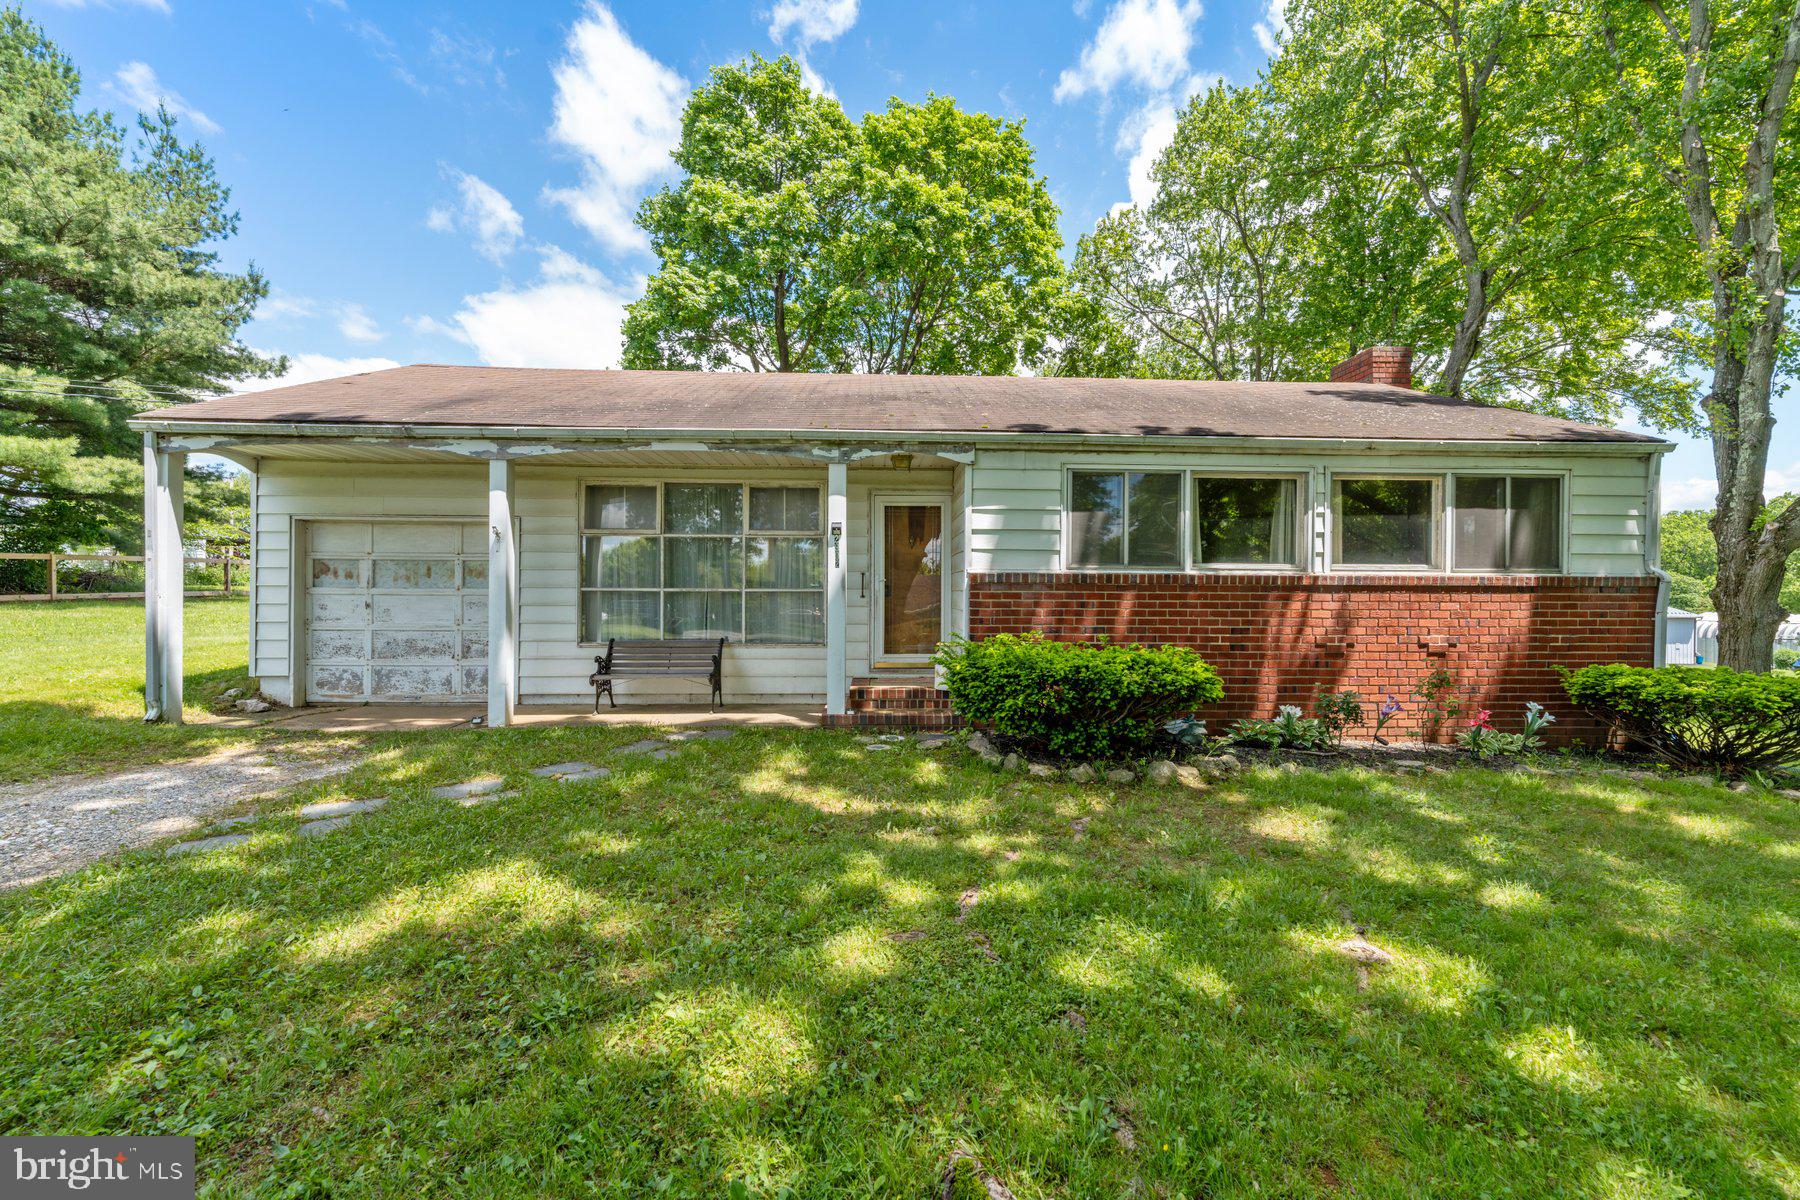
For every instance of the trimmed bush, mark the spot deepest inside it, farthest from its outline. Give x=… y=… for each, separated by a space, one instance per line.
x=1697 y=717
x=1074 y=699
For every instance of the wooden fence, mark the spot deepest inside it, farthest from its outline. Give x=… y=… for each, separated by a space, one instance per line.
x=52 y=561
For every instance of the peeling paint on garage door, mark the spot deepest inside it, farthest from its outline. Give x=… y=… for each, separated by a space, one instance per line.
x=396 y=612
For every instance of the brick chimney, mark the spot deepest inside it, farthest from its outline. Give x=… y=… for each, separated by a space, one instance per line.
x=1391 y=365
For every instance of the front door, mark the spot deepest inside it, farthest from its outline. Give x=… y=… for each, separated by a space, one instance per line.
x=911 y=583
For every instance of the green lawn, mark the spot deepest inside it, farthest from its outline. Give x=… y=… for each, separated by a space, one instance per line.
x=72 y=684
x=789 y=961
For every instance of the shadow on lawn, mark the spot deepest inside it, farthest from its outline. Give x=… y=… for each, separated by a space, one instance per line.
x=793 y=961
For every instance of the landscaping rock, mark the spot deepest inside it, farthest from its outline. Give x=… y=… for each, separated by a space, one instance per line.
x=1013 y=762
x=204 y=844
x=342 y=808
x=231 y=693
x=255 y=704
x=1120 y=775
x=931 y=741
x=1185 y=774
x=1041 y=770
x=474 y=787
x=1082 y=773
x=978 y=742
x=321 y=828
x=1160 y=771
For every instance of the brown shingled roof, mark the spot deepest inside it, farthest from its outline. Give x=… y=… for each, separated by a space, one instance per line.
x=682 y=400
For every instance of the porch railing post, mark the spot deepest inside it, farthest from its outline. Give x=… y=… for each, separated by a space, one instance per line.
x=837 y=520
x=503 y=598
x=164 y=582
x=51 y=559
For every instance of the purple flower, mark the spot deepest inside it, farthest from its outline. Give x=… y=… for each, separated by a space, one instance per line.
x=1390 y=706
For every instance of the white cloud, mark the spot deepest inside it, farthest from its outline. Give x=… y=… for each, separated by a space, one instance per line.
x=280 y=305
x=136 y=83
x=161 y=6
x=310 y=368
x=1700 y=491
x=619 y=110
x=1146 y=133
x=488 y=217
x=811 y=21
x=1143 y=42
x=569 y=316
x=1272 y=29
x=355 y=323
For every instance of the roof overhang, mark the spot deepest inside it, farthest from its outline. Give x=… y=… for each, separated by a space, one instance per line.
x=836 y=445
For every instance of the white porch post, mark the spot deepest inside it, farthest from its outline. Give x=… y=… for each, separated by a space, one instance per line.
x=503 y=598
x=164 y=581
x=837 y=526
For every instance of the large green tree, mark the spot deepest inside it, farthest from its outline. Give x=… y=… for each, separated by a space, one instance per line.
x=1707 y=94
x=112 y=299
x=1438 y=173
x=920 y=240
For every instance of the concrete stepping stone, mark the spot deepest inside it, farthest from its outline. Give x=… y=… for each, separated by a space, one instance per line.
x=321 y=828
x=485 y=798
x=650 y=747
x=204 y=844
x=571 y=772
x=712 y=733
x=341 y=808
x=480 y=786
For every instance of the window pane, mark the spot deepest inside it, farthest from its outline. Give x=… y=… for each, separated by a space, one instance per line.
x=614 y=561
x=415 y=574
x=474 y=572
x=1155 y=517
x=703 y=614
x=1244 y=521
x=703 y=562
x=784 y=563
x=1536 y=525
x=703 y=508
x=1480 y=524
x=614 y=507
x=784 y=617
x=631 y=616
x=337 y=572
x=785 y=508
x=1384 y=522
x=1096 y=519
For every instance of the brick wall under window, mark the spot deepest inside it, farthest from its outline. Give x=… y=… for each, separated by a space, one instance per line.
x=1276 y=639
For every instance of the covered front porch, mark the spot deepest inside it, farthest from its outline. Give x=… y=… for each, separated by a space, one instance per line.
x=431 y=579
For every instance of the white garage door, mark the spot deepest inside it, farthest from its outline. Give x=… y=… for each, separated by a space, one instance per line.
x=396 y=612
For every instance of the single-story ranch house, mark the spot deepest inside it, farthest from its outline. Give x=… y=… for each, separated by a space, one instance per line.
x=441 y=534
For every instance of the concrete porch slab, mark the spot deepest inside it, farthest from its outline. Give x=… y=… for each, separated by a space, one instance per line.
x=400 y=718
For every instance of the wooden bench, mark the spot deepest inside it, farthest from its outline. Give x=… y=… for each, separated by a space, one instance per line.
x=681 y=659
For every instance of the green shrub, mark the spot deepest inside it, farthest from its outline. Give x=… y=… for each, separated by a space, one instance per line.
x=1075 y=699
x=1286 y=728
x=1697 y=717
x=1787 y=658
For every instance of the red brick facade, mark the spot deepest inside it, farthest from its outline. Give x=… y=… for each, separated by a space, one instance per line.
x=1277 y=639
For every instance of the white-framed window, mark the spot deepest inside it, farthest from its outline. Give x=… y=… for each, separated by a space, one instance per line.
x=702 y=560
x=1387 y=522
x=1125 y=519
x=1247 y=521
x=1505 y=523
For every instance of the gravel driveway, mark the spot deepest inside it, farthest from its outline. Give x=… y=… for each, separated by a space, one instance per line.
x=56 y=825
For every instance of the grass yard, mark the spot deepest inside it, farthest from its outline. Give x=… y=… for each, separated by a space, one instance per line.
x=789 y=964
x=72 y=684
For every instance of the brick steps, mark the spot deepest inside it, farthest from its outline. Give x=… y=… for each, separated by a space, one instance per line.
x=909 y=702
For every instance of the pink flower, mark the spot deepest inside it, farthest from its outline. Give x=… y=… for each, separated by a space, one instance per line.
x=1480 y=720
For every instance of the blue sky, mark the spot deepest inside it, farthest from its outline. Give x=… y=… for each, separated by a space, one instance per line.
x=454 y=181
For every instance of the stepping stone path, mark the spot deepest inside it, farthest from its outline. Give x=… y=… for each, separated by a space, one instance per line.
x=713 y=733
x=485 y=798
x=321 y=828
x=650 y=747
x=341 y=808
x=205 y=844
x=474 y=787
x=571 y=772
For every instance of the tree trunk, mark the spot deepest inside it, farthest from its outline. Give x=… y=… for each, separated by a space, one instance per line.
x=1747 y=595
x=1468 y=330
